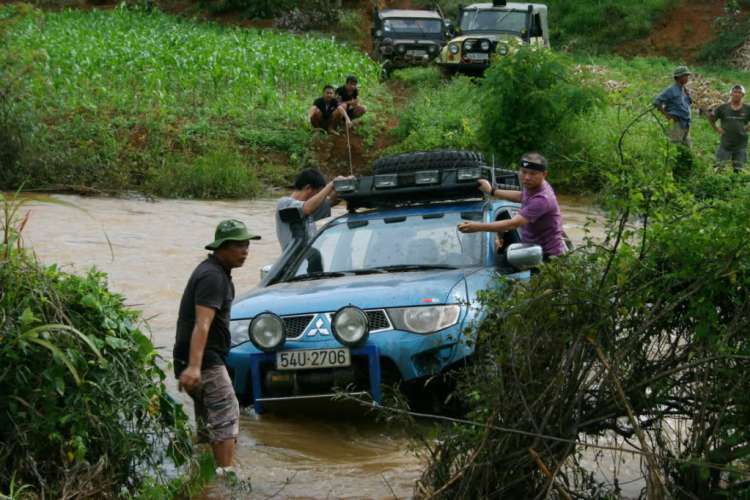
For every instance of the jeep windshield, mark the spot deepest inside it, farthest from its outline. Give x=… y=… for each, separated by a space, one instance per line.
x=412 y=26
x=390 y=245
x=512 y=21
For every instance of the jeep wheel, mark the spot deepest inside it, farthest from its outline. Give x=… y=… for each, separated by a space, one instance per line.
x=439 y=159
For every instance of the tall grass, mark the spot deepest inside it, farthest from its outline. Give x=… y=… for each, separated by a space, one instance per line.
x=117 y=94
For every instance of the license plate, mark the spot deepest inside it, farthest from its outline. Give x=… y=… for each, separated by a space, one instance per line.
x=477 y=57
x=416 y=52
x=304 y=359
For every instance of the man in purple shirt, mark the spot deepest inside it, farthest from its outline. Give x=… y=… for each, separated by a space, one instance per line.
x=539 y=219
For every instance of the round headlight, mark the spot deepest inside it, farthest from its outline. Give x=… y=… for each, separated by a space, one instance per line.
x=379 y=33
x=468 y=44
x=387 y=41
x=502 y=49
x=400 y=49
x=485 y=45
x=267 y=332
x=453 y=49
x=350 y=326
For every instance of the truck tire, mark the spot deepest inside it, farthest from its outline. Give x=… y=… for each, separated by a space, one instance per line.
x=439 y=159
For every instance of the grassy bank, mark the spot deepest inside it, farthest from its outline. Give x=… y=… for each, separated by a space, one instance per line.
x=126 y=99
x=585 y=148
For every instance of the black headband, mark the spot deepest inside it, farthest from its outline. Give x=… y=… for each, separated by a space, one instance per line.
x=533 y=165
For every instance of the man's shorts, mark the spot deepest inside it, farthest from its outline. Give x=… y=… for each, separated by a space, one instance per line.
x=217 y=411
x=680 y=134
x=738 y=158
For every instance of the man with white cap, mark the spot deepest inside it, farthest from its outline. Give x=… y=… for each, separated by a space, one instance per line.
x=734 y=116
x=674 y=103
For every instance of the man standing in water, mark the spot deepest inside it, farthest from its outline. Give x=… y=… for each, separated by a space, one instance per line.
x=540 y=219
x=203 y=340
x=734 y=116
x=313 y=196
x=674 y=103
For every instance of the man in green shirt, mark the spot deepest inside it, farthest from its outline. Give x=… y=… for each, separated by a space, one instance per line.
x=734 y=116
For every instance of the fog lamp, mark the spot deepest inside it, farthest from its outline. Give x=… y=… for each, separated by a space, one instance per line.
x=351 y=326
x=386 y=181
x=400 y=49
x=485 y=45
x=468 y=44
x=267 y=332
x=469 y=174
x=345 y=185
x=427 y=177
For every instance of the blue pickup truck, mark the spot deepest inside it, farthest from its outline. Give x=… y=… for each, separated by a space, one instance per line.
x=381 y=295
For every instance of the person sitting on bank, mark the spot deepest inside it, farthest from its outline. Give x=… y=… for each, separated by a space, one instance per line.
x=348 y=96
x=326 y=112
x=311 y=194
x=540 y=219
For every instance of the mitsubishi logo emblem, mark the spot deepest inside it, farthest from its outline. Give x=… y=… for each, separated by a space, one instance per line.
x=317 y=328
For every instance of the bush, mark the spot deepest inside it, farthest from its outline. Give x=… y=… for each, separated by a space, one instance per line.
x=84 y=412
x=219 y=174
x=439 y=118
x=639 y=341
x=526 y=97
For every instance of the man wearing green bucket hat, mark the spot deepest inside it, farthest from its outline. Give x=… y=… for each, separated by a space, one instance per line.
x=203 y=340
x=674 y=103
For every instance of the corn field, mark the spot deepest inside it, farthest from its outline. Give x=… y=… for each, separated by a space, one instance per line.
x=132 y=61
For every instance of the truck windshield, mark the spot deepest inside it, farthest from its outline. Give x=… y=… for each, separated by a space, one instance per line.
x=408 y=25
x=493 y=20
x=393 y=244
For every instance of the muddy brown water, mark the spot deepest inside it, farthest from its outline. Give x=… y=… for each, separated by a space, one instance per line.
x=156 y=246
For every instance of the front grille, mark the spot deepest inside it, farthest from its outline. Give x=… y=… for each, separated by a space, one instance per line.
x=378 y=320
x=295 y=325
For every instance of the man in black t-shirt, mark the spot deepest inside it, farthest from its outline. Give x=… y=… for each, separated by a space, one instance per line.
x=735 y=118
x=203 y=340
x=348 y=95
x=326 y=113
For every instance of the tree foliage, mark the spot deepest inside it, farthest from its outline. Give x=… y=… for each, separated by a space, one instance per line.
x=640 y=341
x=84 y=412
x=526 y=96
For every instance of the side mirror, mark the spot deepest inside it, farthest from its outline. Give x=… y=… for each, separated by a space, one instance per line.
x=535 y=31
x=524 y=256
x=265 y=270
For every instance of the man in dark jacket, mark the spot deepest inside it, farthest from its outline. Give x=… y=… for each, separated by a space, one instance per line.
x=674 y=103
x=203 y=340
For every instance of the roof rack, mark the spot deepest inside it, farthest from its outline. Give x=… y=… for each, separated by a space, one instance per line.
x=427 y=186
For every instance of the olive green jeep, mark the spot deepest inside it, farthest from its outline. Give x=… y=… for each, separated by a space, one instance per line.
x=484 y=31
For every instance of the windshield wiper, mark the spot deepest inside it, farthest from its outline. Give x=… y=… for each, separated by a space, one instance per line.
x=317 y=276
x=413 y=267
x=369 y=270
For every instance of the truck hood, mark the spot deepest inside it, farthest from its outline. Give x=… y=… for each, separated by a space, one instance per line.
x=366 y=292
x=495 y=37
x=412 y=41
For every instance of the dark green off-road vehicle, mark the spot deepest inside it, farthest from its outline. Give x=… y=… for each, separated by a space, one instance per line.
x=402 y=38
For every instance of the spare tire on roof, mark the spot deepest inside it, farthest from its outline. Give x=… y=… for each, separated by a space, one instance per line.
x=439 y=159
